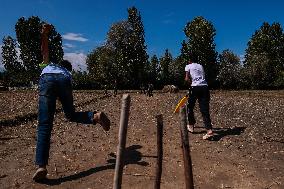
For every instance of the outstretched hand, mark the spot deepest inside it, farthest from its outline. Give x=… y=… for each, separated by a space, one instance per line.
x=46 y=28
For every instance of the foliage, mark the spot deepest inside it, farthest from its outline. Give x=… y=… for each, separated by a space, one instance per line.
x=178 y=65
x=81 y=80
x=177 y=73
x=101 y=66
x=137 y=49
x=258 y=72
x=123 y=58
x=110 y=61
x=185 y=53
x=229 y=70
x=165 y=61
x=29 y=40
x=200 y=34
x=279 y=82
x=264 y=59
x=154 y=70
x=14 y=69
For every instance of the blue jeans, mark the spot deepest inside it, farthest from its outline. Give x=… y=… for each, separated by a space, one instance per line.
x=202 y=94
x=51 y=87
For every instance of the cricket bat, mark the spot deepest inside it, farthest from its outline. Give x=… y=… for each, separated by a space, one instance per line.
x=181 y=103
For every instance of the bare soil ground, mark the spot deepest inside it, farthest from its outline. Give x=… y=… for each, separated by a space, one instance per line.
x=248 y=152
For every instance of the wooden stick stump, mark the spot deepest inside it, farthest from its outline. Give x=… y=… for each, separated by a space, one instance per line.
x=125 y=107
x=159 y=151
x=185 y=150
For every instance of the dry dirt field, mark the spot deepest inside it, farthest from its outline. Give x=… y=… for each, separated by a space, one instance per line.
x=247 y=153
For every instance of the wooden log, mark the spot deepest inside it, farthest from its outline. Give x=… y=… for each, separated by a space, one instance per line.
x=159 y=151
x=185 y=150
x=125 y=108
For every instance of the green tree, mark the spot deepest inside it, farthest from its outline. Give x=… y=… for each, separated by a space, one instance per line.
x=279 y=83
x=229 y=74
x=185 y=53
x=110 y=61
x=154 y=70
x=164 y=74
x=14 y=68
x=123 y=58
x=82 y=80
x=177 y=72
x=177 y=67
x=137 y=48
x=118 y=41
x=200 y=34
x=257 y=72
x=29 y=40
x=264 y=58
x=101 y=66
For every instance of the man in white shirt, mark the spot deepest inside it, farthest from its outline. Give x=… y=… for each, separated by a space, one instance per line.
x=195 y=76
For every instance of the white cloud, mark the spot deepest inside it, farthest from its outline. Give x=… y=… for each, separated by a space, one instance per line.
x=74 y=37
x=68 y=45
x=78 y=61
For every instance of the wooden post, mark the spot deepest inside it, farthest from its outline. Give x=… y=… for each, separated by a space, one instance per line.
x=185 y=150
x=159 y=151
x=125 y=107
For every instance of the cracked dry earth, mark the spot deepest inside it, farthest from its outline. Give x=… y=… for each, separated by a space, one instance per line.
x=247 y=153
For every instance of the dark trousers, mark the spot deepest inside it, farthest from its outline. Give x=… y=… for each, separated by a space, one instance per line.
x=51 y=87
x=202 y=94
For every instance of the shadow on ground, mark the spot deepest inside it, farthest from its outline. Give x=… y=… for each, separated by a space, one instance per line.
x=222 y=132
x=131 y=154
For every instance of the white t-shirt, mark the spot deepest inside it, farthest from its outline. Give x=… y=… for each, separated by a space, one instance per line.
x=54 y=68
x=197 y=74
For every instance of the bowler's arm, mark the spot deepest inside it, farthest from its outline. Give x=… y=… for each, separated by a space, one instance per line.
x=44 y=43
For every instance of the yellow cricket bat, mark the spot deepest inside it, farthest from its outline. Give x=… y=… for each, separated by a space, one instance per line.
x=181 y=103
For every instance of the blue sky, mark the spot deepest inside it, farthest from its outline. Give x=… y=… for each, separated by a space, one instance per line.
x=84 y=24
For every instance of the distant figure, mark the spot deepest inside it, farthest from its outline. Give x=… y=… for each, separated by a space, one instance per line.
x=56 y=82
x=105 y=90
x=195 y=76
x=143 y=89
x=150 y=89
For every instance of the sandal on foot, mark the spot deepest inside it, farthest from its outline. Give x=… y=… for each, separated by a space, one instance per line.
x=40 y=174
x=103 y=120
x=190 y=128
x=208 y=136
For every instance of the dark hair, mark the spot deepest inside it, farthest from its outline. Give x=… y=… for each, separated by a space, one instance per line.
x=66 y=64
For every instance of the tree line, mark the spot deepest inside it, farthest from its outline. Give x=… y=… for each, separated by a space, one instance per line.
x=123 y=60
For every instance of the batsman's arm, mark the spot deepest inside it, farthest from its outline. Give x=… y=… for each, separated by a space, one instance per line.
x=187 y=78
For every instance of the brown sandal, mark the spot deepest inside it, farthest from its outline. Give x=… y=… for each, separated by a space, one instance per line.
x=190 y=128
x=208 y=136
x=102 y=119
